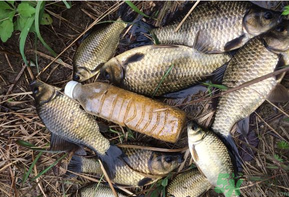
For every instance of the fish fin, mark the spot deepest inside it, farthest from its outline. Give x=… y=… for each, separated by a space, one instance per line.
x=133 y=58
x=218 y=74
x=279 y=94
x=202 y=45
x=75 y=165
x=195 y=154
x=144 y=181
x=243 y=126
x=233 y=44
x=58 y=143
x=111 y=159
x=233 y=152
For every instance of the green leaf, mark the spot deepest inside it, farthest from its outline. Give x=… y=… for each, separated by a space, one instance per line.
x=286 y=10
x=23 y=37
x=136 y=9
x=26 y=175
x=24 y=143
x=49 y=167
x=46 y=19
x=67 y=4
x=162 y=79
x=11 y=2
x=221 y=87
x=277 y=157
x=165 y=182
x=4 y=6
x=6 y=30
x=283 y=145
x=26 y=10
x=286 y=119
x=37 y=31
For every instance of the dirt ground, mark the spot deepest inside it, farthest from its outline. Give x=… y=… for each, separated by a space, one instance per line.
x=266 y=164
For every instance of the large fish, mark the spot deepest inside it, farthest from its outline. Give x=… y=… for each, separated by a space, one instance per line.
x=64 y=118
x=211 y=156
x=158 y=69
x=96 y=49
x=98 y=190
x=191 y=183
x=260 y=56
x=138 y=168
x=216 y=27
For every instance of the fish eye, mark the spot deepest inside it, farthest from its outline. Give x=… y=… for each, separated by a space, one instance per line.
x=168 y=159
x=76 y=77
x=35 y=90
x=280 y=28
x=195 y=127
x=268 y=15
x=106 y=75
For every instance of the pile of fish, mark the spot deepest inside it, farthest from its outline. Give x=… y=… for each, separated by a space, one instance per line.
x=200 y=49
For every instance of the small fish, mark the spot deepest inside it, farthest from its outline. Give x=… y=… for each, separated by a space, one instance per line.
x=191 y=183
x=98 y=190
x=65 y=119
x=260 y=56
x=210 y=154
x=139 y=167
x=216 y=27
x=154 y=70
x=96 y=49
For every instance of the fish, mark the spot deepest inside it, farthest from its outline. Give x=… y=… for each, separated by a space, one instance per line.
x=154 y=70
x=217 y=27
x=128 y=109
x=98 y=190
x=96 y=49
x=272 y=5
x=138 y=167
x=210 y=155
x=64 y=118
x=191 y=183
x=260 y=56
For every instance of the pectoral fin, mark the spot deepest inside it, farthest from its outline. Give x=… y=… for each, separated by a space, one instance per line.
x=58 y=143
x=195 y=154
x=279 y=94
x=234 y=44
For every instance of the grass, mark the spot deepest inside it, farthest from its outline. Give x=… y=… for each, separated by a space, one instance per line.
x=27 y=169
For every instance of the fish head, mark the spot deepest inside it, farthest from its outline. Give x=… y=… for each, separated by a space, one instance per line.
x=278 y=38
x=195 y=133
x=81 y=74
x=163 y=163
x=258 y=20
x=113 y=71
x=42 y=92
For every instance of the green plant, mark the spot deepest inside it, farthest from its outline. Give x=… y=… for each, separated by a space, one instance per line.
x=282 y=145
x=162 y=79
x=211 y=85
x=286 y=10
x=24 y=17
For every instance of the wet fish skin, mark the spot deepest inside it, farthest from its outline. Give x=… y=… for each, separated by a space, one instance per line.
x=209 y=153
x=216 y=27
x=258 y=57
x=95 y=190
x=141 y=69
x=152 y=162
x=96 y=49
x=140 y=166
x=63 y=117
x=191 y=183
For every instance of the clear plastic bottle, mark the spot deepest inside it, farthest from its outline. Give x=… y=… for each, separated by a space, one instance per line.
x=129 y=109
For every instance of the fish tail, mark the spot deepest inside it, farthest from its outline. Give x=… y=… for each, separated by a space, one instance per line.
x=75 y=165
x=111 y=159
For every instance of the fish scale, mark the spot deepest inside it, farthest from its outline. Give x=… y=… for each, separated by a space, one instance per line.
x=250 y=62
x=212 y=26
x=191 y=183
x=72 y=124
x=144 y=68
x=219 y=18
x=98 y=190
x=97 y=49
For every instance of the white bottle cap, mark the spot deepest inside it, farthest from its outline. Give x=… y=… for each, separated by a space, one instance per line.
x=69 y=87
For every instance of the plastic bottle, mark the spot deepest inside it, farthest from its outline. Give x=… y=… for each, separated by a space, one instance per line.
x=129 y=109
